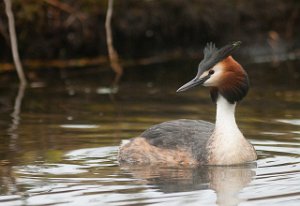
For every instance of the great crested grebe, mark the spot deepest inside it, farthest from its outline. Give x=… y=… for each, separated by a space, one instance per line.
x=197 y=142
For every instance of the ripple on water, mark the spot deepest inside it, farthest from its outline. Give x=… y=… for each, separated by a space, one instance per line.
x=91 y=176
x=79 y=126
x=290 y=121
x=90 y=153
x=54 y=169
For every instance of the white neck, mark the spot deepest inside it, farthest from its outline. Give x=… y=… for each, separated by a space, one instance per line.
x=227 y=139
x=227 y=144
x=225 y=119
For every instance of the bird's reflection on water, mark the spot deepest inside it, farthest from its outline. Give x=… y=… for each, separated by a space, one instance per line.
x=227 y=181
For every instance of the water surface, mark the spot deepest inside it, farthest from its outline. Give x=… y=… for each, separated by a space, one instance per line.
x=60 y=137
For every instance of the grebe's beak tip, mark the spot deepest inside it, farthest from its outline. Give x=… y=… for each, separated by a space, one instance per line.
x=194 y=82
x=179 y=90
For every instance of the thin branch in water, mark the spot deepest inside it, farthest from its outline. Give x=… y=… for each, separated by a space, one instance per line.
x=12 y=131
x=112 y=53
x=13 y=41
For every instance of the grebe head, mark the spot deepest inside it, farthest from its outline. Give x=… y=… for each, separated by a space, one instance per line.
x=219 y=71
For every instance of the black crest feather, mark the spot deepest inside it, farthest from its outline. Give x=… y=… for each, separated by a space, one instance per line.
x=213 y=55
x=209 y=50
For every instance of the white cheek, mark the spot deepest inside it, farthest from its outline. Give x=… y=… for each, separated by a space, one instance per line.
x=213 y=80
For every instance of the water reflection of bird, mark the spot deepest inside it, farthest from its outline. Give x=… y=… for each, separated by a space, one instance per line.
x=227 y=182
x=196 y=142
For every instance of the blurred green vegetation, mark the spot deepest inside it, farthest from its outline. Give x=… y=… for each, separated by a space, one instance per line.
x=51 y=29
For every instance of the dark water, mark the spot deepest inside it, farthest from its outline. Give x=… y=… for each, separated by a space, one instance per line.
x=60 y=137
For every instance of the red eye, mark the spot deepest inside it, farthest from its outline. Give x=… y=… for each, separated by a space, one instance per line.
x=211 y=72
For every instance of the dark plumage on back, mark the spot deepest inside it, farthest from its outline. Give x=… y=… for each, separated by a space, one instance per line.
x=190 y=135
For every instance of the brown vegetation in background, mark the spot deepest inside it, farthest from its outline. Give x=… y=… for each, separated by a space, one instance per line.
x=51 y=29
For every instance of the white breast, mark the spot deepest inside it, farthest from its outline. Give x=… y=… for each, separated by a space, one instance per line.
x=227 y=144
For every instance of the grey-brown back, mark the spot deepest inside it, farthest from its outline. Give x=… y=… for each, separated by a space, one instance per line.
x=190 y=135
